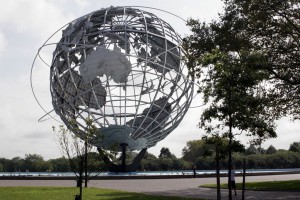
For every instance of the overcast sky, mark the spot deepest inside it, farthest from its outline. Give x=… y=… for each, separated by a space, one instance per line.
x=24 y=27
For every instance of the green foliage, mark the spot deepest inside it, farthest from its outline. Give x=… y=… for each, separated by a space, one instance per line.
x=166 y=161
x=35 y=162
x=165 y=164
x=265 y=36
x=202 y=153
x=278 y=160
x=251 y=150
x=295 y=147
x=60 y=165
x=272 y=27
x=256 y=158
x=271 y=150
x=165 y=153
x=13 y=165
x=149 y=163
x=230 y=88
x=195 y=149
x=221 y=145
x=269 y=159
x=232 y=66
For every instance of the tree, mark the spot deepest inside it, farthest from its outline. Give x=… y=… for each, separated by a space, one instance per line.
x=271 y=150
x=35 y=163
x=165 y=153
x=60 y=164
x=76 y=152
x=1 y=167
x=16 y=164
x=195 y=149
x=220 y=150
x=226 y=66
x=272 y=28
x=220 y=146
x=90 y=131
x=149 y=162
x=295 y=147
x=166 y=160
x=251 y=149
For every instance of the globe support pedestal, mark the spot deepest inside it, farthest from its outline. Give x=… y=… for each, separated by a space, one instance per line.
x=123 y=146
x=132 y=167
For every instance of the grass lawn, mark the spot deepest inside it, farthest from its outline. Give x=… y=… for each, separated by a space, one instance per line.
x=269 y=185
x=67 y=193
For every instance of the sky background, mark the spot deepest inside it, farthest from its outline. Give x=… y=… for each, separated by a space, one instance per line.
x=26 y=24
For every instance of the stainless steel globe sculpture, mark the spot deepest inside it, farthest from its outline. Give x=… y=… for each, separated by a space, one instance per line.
x=122 y=68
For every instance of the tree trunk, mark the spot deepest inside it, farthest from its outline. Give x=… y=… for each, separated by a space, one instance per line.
x=123 y=146
x=218 y=174
x=244 y=179
x=229 y=164
x=230 y=144
x=85 y=164
x=80 y=188
x=81 y=176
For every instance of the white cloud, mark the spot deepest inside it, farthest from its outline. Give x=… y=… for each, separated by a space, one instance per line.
x=18 y=119
x=82 y=3
x=2 y=43
x=287 y=132
x=38 y=18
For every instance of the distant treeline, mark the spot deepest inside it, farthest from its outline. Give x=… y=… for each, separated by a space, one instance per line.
x=194 y=154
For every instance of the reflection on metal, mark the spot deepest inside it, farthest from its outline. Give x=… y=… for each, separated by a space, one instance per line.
x=148 y=89
x=105 y=62
x=121 y=67
x=152 y=120
x=115 y=135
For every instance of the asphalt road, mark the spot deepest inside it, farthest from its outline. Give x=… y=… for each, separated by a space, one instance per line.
x=173 y=187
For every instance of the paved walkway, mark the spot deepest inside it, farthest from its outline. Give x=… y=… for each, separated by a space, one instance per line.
x=173 y=187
